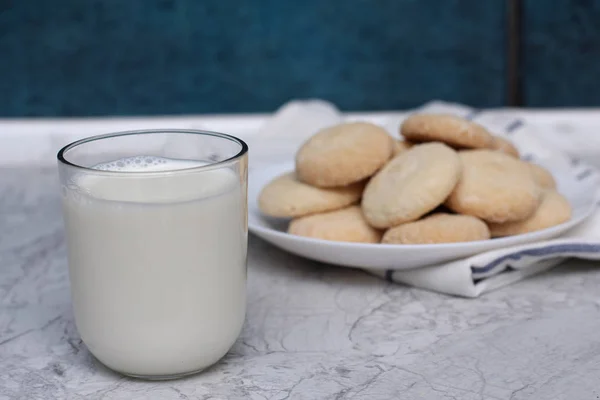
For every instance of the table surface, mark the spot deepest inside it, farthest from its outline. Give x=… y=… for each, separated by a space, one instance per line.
x=312 y=331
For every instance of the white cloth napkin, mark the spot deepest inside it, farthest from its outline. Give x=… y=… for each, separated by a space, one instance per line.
x=294 y=122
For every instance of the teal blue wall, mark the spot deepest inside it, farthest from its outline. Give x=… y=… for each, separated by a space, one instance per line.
x=561 y=53
x=127 y=57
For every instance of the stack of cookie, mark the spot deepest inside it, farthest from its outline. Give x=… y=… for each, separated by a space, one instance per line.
x=449 y=180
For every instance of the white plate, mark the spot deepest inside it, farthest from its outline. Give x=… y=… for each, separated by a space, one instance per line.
x=579 y=188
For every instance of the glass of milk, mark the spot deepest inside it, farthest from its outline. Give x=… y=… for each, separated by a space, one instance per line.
x=156 y=226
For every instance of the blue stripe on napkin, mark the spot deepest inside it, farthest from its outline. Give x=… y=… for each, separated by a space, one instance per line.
x=528 y=157
x=584 y=174
x=389 y=275
x=572 y=248
x=471 y=116
x=513 y=126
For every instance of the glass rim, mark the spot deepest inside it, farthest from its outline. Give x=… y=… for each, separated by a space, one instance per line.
x=219 y=164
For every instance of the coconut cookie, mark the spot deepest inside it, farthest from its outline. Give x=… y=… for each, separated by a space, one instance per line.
x=343 y=154
x=542 y=176
x=454 y=131
x=505 y=146
x=438 y=228
x=553 y=210
x=286 y=196
x=345 y=225
x=400 y=146
x=494 y=187
x=411 y=185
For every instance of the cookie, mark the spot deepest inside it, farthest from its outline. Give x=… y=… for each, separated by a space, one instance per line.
x=400 y=146
x=285 y=196
x=345 y=225
x=454 y=131
x=505 y=146
x=343 y=154
x=495 y=187
x=553 y=210
x=438 y=228
x=411 y=185
x=542 y=176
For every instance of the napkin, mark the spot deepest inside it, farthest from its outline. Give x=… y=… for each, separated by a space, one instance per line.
x=280 y=137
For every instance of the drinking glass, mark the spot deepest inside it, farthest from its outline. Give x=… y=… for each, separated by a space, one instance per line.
x=156 y=227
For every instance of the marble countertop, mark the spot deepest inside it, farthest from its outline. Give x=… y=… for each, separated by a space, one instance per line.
x=312 y=331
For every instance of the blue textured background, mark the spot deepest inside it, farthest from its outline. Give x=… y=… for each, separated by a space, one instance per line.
x=128 y=57
x=93 y=57
x=562 y=53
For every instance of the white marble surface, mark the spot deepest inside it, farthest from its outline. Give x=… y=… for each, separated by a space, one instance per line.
x=312 y=331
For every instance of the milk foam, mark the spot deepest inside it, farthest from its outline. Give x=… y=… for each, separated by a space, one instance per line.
x=141 y=188
x=147 y=164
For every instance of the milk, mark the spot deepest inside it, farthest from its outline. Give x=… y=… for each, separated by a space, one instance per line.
x=157 y=264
